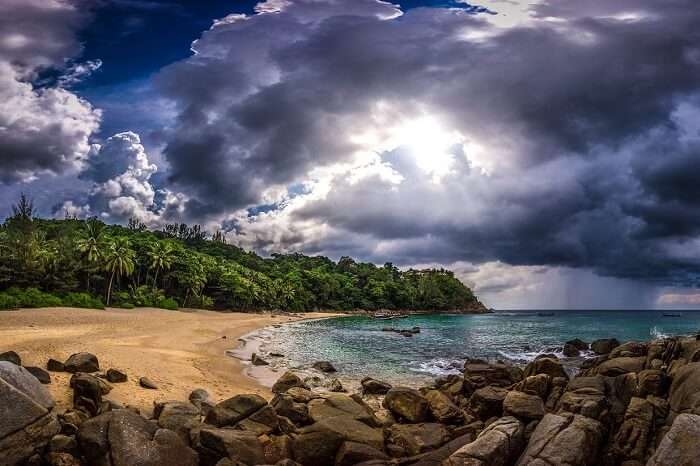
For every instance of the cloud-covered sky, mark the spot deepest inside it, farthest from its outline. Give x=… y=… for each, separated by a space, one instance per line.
x=547 y=151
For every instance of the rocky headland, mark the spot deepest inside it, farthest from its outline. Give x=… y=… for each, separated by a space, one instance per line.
x=632 y=404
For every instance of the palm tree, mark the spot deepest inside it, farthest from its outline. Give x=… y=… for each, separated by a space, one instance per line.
x=161 y=256
x=91 y=244
x=119 y=260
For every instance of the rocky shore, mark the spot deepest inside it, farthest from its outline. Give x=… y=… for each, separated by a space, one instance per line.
x=632 y=404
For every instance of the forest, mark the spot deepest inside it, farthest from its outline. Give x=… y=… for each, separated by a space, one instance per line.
x=87 y=263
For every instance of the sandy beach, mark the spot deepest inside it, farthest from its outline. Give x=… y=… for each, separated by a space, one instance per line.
x=178 y=350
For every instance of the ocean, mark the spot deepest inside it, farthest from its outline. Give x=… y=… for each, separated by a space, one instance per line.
x=358 y=347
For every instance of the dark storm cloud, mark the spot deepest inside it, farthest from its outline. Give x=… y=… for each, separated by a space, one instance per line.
x=42 y=130
x=577 y=109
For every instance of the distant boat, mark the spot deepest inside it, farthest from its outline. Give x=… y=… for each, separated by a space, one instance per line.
x=386 y=316
x=545 y=314
x=667 y=314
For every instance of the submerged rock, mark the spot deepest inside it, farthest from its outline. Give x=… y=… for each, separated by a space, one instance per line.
x=324 y=366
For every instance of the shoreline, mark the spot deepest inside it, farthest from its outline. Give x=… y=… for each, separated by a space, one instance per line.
x=178 y=350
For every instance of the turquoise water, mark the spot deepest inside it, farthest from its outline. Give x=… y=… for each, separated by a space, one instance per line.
x=358 y=347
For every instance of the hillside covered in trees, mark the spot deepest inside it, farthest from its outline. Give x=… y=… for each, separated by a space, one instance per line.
x=86 y=263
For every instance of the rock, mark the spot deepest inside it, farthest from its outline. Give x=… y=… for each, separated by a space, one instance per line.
x=336 y=386
x=570 y=351
x=372 y=386
x=586 y=396
x=11 y=356
x=87 y=393
x=335 y=405
x=63 y=443
x=549 y=366
x=324 y=366
x=55 y=366
x=578 y=344
x=652 y=382
x=320 y=442
x=622 y=365
x=680 y=446
x=262 y=421
x=629 y=350
x=407 y=404
x=82 y=362
x=258 y=361
x=631 y=440
x=235 y=444
x=570 y=440
x=523 y=405
x=413 y=439
x=352 y=453
x=498 y=445
x=130 y=440
x=198 y=396
x=487 y=402
x=115 y=376
x=285 y=406
x=442 y=408
x=478 y=374
x=145 y=382
x=277 y=448
x=684 y=395
x=604 y=346
x=26 y=419
x=178 y=416
x=287 y=381
x=62 y=459
x=40 y=374
x=535 y=385
x=235 y=409
x=302 y=395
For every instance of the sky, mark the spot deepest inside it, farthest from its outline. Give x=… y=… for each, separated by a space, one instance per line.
x=546 y=151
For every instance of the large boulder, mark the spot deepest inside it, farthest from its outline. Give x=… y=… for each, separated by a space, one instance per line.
x=621 y=365
x=297 y=412
x=288 y=380
x=334 y=405
x=549 y=366
x=604 y=345
x=632 y=438
x=87 y=393
x=352 y=453
x=487 y=402
x=684 y=395
x=570 y=440
x=372 y=386
x=232 y=410
x=680 y=446
x=523 y=405
x=442 y=408
x=629 y=350
x=319 y=443
x=236 y=445
x=479 y=374
x=11 y=356
x=178 y=416
x=535 y=385
x=586 y=396
x=497 y=445
x=652 y=382
x=124 y=438
x=407 y=404
x=413 y=439
x=27 y=422
x=81 y=362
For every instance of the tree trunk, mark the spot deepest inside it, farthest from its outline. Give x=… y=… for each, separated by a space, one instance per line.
x=109 y=288
x=155 y=280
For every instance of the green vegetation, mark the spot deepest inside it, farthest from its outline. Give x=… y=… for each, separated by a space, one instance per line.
x=85 y=263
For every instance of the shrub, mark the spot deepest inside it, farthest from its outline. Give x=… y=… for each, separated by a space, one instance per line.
x=168 y=303
x=126 y=305
x=8 y=302
x=32 y=297
x=83 y=300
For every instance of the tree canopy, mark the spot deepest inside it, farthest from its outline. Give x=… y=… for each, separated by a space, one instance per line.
x=72 y=261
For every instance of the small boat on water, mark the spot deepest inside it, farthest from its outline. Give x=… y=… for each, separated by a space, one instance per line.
x=545 y=314
x=670 y=314
x=387 y=316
